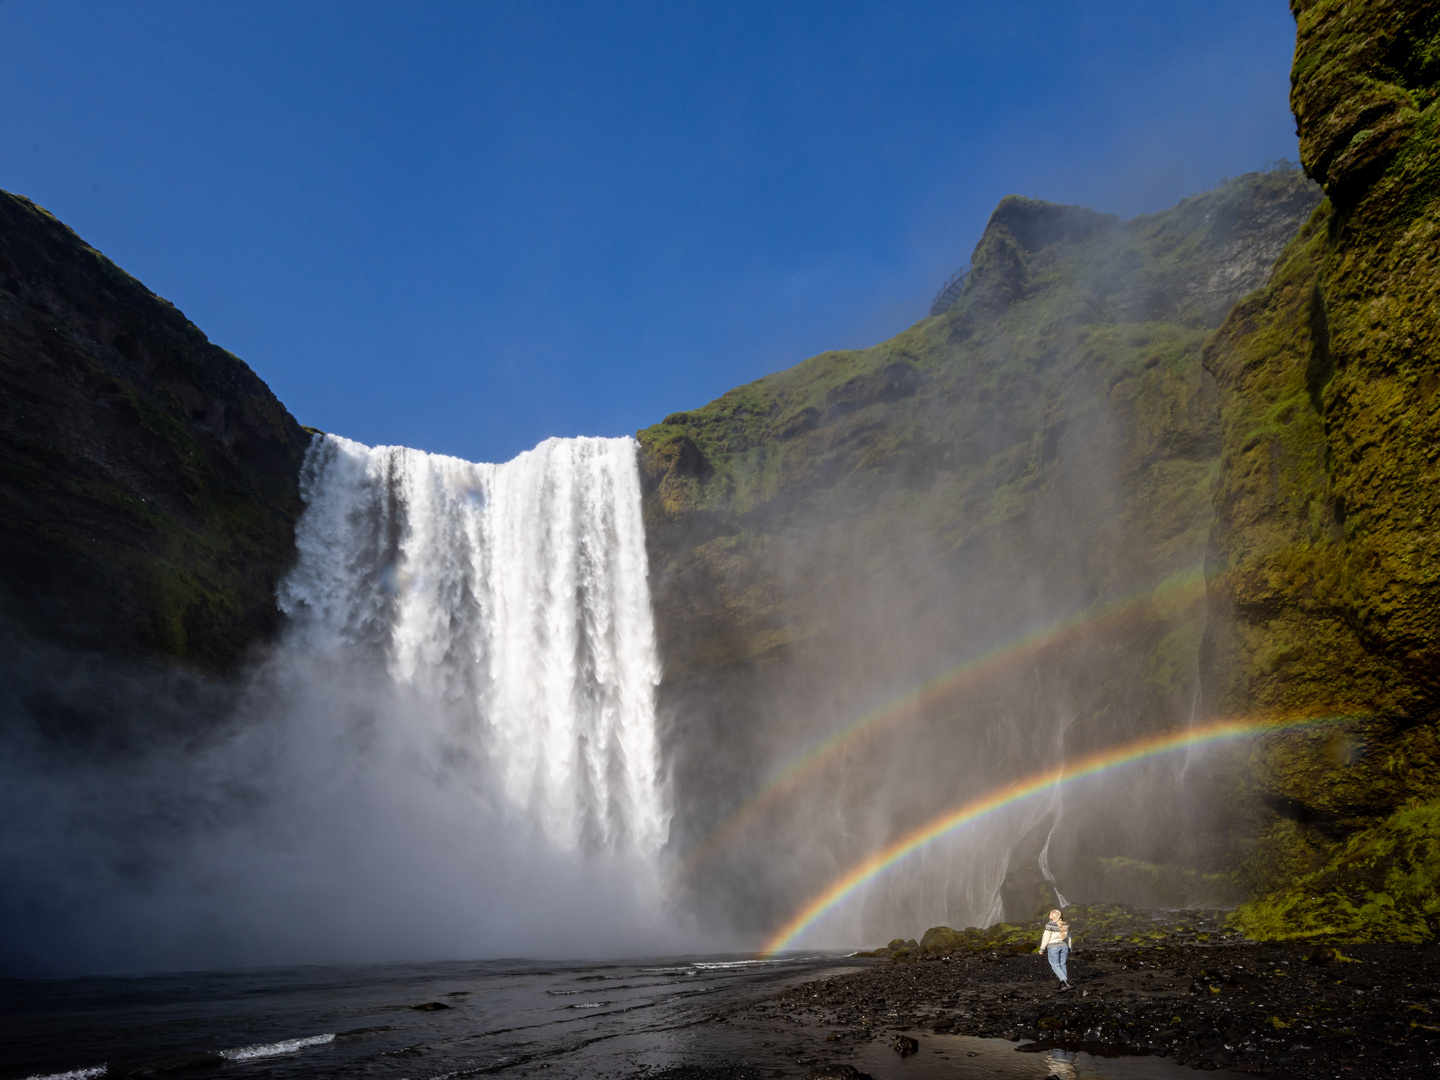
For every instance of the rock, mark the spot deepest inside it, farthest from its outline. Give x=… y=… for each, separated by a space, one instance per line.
x=151 y=479
x=904 y=1045
x=836 y=1071
x=853 y=463
x=938 y=937
x=430 y=1006
x=1348 y=331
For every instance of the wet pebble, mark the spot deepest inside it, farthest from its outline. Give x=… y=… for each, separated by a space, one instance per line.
x=1285 y=1010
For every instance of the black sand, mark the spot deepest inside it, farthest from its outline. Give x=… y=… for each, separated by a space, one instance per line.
x=1283 y=1010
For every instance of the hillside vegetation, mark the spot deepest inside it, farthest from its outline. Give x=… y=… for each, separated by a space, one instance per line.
x=1143 y=473
x=1047 y=448
x=1076 y=433
x=1325 y=556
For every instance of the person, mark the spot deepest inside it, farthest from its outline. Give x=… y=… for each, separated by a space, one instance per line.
x=1055 y=943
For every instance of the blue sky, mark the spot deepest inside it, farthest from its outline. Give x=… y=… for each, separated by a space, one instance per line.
x=469 y=226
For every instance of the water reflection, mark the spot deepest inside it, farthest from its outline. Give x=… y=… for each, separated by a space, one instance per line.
x=579 y=1021
x=959 y=1056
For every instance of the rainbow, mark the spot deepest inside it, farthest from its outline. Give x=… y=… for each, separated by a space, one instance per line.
x=1181 y=588
x=1025 y=788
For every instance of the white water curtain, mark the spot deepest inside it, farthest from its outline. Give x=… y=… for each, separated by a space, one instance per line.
x=512 y=597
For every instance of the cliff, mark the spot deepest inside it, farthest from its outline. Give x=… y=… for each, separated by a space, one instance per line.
x=1325 y=554
x=979 y=541
x=148 y=478
x=829 y=537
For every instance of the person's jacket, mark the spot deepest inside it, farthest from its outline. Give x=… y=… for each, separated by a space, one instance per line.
x=1054 y=936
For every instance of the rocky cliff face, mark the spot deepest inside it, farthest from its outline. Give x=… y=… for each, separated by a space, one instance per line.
x=829 y=537
x=981 y=539
x=147 y=477
x=1325 y=556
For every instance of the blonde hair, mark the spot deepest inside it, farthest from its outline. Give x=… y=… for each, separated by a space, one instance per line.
x=1057 y=914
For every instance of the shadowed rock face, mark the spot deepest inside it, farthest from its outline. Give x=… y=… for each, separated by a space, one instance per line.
x=830 y=537
x=148 y=478
x=833 y=535
x=1325 y=556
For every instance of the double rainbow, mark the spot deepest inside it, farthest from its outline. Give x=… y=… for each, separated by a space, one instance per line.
x=1180 y=589
x=1026 y=788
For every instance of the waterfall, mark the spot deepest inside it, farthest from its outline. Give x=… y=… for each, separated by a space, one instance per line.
x=450 y=752
x=511 y=602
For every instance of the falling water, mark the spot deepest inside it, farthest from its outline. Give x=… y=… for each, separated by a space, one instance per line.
x=512 y=600
x=1044 y=863
x=450 y=752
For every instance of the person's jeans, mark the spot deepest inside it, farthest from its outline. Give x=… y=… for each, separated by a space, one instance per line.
x=1057 y=955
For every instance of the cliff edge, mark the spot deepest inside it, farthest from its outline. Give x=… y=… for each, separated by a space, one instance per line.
x=148 y=478
x=1324 y=560
x=1025 y=478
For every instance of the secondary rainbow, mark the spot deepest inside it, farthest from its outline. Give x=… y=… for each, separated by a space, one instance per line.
x=1180 y=588
x=1018 y=791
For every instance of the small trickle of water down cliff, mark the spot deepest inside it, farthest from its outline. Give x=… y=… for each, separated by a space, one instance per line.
x=510 y=604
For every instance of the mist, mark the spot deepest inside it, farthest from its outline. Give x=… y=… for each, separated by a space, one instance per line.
x=1021 y=486
x=365 y=792
x=889 y=605
x=527 y=709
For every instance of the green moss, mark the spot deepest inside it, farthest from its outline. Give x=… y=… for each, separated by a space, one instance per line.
x=1381 y=884
x=741 y=433
x=1090 y=925
x=1325 y=594
x=1047 y=447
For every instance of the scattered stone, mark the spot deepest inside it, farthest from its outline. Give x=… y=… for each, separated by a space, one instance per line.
x=708 y=1072
x=904 y=1045
x=1369 y=1012
x=837 y=1071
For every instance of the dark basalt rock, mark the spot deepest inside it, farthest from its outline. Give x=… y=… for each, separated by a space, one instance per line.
x=1363 y=73
x=1259 y=1008
x=148 y=478
x=904 y=1045
x=703 y=1072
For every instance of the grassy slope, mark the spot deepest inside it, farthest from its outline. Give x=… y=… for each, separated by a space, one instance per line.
x=959 y=420
x=1052 y=442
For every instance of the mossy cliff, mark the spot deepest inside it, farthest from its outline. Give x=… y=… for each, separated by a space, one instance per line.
x=1324 y=562
x=148 y=478
x=831 y=535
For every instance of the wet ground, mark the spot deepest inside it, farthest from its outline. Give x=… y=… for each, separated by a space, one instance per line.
x=1268 y=1009
x=392 y=1022
x=697 y=1018
x=1135 y=1013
